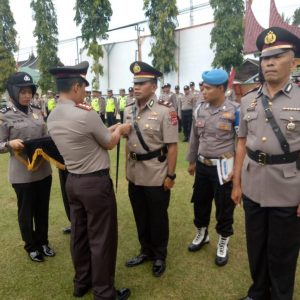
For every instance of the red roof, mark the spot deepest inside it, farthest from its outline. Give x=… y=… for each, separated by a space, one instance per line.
x=253 y=28
x=276 y=20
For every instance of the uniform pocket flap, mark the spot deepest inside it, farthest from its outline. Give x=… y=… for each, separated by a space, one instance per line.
x=290 y=170
x=290 y=115
x=251 y=115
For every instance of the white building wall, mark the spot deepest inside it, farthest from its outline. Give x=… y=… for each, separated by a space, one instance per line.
x=193 y=56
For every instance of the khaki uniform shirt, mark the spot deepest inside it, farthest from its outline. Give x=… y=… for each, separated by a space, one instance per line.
x=169 y=97
x=80 y=136
x=14 y=124
x=178 y=99
x=129 y=100
x=158 y=126
x=271 y=185
x=213 y=130
x=102 y=105
x=187 y=102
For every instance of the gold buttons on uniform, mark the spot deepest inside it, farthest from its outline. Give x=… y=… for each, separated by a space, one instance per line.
x=267 y=120
x=264 y=139
x=138 y=117
x=134 y=145
x=147 y=125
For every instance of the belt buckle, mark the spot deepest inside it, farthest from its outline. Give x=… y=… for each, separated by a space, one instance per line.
x=207 y=162
x=262 y=158
x=133 y=156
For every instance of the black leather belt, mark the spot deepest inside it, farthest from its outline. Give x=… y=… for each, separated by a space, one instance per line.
x=157 y=153
x=267 y=159
x=96 y=173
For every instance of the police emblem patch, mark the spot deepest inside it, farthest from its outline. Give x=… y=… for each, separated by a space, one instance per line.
x=270 y=38
x=26 y=78
x=173 y=117
x=136 y=68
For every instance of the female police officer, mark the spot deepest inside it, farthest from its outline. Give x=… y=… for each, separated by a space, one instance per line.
x=20 y=122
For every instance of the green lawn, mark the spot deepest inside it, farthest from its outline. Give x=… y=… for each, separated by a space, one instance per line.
x=188 y=275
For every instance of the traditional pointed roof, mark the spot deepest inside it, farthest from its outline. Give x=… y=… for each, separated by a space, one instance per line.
x=252 y=29
x=276 y=20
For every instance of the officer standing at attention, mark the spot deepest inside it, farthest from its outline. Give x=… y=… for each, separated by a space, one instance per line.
x=168 y=96
x=95 y=102
x=212 y=137
x=122 y=104
x=130 y=96
x=20 y=122
x=83 y=141
x=178 y=96
x=111 y=108
x=185 y=111
x=150 y=167
x=267 y=169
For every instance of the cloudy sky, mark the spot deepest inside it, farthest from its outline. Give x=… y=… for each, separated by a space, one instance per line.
x=124 y=12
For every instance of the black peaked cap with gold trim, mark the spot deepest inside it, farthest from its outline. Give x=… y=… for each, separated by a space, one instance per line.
x=77 y=71
x=276 y=40
x=143 y=72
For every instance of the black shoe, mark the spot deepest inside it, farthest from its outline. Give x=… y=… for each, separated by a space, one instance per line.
x=135 y=261
x=67 y=230
x=123 y=294
x=246 y=298
x=47 y=251
x=159 y=267
x=80 y=291
x=36 y=256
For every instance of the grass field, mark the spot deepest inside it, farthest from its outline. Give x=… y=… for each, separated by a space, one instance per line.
x=188 y=276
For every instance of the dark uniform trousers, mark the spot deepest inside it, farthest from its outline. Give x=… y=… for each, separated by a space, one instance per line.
x=273 y=241
x=102 y=116
x=187 y=118
x=33 y=212
x=111 y=119
x=93 y=232
x=207 y=188
x=63 y=175
x=122 y=116
x=150 y=209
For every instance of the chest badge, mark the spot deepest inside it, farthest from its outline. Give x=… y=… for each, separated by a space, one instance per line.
x=35 y=116
x=291 y=126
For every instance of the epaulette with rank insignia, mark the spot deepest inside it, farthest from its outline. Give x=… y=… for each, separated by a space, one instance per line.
x=257 y=88
x=131 y=103
x=5 y=109
x=83 y=106
x=164 y=103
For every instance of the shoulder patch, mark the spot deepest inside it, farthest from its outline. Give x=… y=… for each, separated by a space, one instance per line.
x=4 y=109
x=164 y=103
x=84 y=106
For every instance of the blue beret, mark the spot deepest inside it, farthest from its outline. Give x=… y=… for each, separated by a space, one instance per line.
x=215 y=77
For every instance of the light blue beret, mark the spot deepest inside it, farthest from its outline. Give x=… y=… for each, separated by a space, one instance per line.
x=215 y=77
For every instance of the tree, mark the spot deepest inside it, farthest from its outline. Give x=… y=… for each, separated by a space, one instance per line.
x=7 y=43
x=162 y=15
x=227 y=34
x=286 y=19
x=296 y=17
x=94 y=17
x=46 y=33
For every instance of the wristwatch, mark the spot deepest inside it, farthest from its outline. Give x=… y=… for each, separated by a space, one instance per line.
x=172 y=177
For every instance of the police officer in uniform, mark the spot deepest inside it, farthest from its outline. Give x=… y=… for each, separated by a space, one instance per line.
x=150 y=166
x=212 y=137
x=111 y=108
x=168 y=96
x=130 y=96
x=83 y=142
x=267 y=169
x=178 y=96
x=122 y=103
x=185 y=111
x=20 y=122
